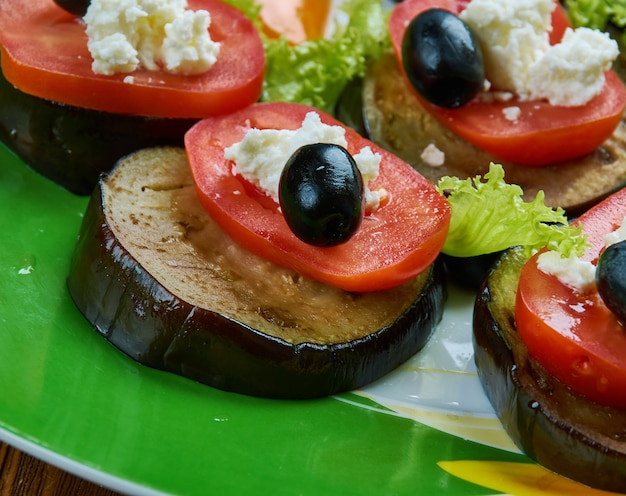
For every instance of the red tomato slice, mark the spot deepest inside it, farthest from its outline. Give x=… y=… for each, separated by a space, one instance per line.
x=574 y=335
x=544 y=134
x=393 y=245
x=44 y=53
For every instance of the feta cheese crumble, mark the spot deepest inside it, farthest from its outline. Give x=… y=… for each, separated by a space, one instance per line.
x=262 y=154
x=433 y=156
x=514 y=37
x=616 y=236
x=512 y=113
x=124 y=35
x=572 y=271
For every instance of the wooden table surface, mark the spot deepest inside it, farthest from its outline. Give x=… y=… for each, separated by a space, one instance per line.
x=23 y=475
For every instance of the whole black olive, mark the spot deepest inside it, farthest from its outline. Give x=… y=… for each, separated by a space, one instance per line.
x=611 y=279
x=76 y=7
x=321 y=194
x=443 y=59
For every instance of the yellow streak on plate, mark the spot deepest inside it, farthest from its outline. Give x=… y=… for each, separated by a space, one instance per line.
x=517 y=479
x=487 y=431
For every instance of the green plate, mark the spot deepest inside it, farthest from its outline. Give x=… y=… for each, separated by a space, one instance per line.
x=70 y=398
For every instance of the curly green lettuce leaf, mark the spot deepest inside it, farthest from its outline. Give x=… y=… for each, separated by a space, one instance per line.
x=315 y=72
x=596 y=14
x=250 y=8
x=490 y=215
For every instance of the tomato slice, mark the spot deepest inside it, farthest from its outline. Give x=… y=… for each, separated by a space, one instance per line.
x=397 y=242
x=574 y=335
x=44 y=53
x=544 y=134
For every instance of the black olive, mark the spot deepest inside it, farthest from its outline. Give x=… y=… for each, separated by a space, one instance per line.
x=76 y=7
x=443 y=59
x=611 y=279
x=321 y=194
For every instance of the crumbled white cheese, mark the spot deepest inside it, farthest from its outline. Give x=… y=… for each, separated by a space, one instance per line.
x=571 y=271
x=154 y=34
x=188 y=48
x=262 y=154
x=616 y=236
x=572 y=72
x=433 y=156
x=512 y=113
x=514 y=38
x=495 y=96
x=368 y=164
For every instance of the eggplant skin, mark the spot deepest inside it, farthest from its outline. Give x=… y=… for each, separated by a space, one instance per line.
x=560 y=430
x=468 y=272
x=72 y=146
x=147 y=321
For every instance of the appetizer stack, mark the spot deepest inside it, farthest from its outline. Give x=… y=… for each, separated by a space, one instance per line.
x=213 y=293
x=574 y=154
x=71 y=123
x=547 y=349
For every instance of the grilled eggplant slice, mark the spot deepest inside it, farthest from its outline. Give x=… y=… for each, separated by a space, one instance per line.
x=72 y=146
x=161 y=281
x=397 y=121
x=562 y=431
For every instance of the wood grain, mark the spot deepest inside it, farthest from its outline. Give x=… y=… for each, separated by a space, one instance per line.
x=24 y=475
